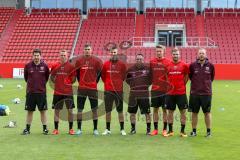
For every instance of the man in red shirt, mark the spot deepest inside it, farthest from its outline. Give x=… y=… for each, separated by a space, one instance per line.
x=113 y=75
x=62 y=77
x=36 y=74
x=88 y=74
x=160 y=86
x=177 y=77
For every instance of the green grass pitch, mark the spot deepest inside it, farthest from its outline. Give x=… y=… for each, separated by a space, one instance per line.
x=223 y=145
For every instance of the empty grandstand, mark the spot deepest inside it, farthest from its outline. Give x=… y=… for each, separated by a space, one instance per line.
x=54 y=26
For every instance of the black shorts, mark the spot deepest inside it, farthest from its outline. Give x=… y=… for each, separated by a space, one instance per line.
x=179 y=100
x=36 y=99
x=110 y=97
x=141 y=102
x=158 y=99
x=60 y=100
x=82 y=96
x=197 y=101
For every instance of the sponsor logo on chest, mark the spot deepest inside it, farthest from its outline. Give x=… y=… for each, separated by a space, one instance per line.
x=175 y=70
x=175 y=67
x=207 y=70
x=42 y=69
x=113 y=69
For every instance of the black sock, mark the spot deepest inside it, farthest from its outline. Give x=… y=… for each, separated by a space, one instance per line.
x=182 y=128
x=79 y=124
x=148 y=127
x=28 y=127
x=121 y=125
x=133 y=126
x=108 y=125
x=170 y=127
x=95 y=123
x=194 y=130
x=56 y=124
x=70 y=124
x=155 y=125
x=165 y=126
x=44 y=127
x=208 y=130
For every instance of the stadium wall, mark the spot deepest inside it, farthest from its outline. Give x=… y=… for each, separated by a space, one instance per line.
x=223 y=71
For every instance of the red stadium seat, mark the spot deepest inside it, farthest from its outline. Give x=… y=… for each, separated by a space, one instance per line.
x=48 y=34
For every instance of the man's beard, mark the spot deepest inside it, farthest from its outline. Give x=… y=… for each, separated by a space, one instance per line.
x=114 y=58
x=175 y=60
x=139 y=65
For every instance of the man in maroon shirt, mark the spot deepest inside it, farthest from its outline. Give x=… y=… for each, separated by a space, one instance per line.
x=88 y=74
x=177 y=77
x=62 y=77
x=201 y=74
x=160 y=86
x=36 y=74
x=139 y=80
x=113 y=75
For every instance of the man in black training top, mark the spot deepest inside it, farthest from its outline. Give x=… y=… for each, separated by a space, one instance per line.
x=201 y=74
x=36 y=74
x=139 y=80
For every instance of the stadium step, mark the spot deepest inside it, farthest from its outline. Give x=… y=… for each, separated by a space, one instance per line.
x=6 y=36
x=200 y=26
x=139 y=30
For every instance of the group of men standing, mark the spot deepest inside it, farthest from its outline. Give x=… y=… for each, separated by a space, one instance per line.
x=168 y=79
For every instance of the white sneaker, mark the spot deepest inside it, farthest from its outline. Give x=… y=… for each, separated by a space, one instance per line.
x=78 y=132
x=123 y=133
x=95 y=132
x=106 y=132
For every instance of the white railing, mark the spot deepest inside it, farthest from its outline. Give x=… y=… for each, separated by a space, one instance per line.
x=179 y=41
x=166 y=14
x=143 y=41
x=76 y=37
x=195 y=42
x=112 y=14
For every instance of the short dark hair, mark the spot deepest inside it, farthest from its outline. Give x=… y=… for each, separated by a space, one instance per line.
x=63 y=50
x=37 y=50
x=87 y=45
x=114 y=47
x=139 y=54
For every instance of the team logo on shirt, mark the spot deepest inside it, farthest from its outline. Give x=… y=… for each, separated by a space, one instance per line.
x=207 y=68
x=42 y=68
x=145 y=72
x=87 y=62
x=175 y=67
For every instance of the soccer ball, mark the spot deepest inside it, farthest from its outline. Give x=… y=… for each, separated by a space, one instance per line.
x=19 y=86
x=11 y=124
x=16 y=100
x=1 y=86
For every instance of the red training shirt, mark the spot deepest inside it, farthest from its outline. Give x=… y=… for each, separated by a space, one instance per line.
x=88 y=72
x=62 y=75
x=176 y=77
x=159 y=73
x=113 y=75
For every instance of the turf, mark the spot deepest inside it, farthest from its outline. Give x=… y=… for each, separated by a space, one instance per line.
x=223 y=145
